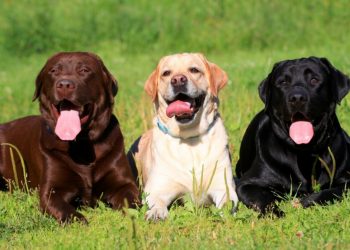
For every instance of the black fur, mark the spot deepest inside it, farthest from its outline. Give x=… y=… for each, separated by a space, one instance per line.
x=271 y=164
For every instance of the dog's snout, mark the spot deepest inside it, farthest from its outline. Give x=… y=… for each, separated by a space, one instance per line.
x=297 y=98
x=178 y=80
x=65 y=87
x=65 y=84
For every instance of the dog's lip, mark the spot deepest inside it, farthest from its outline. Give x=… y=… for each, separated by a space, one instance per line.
x=196 y=104
x=182 y=96
x=84 y=110
x=299 y=116
x=296 y=117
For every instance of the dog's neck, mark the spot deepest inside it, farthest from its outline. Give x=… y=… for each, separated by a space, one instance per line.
x=324 y=132
x=162 y=127
x=202 y=123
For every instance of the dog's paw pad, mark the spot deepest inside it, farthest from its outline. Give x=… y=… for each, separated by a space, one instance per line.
x=157 y=213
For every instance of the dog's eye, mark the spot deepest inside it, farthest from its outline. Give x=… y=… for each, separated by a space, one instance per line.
x=314 y=81
x=283 y=82
x=84 y=70
x=53 y=70
x=166 y=73
x=194 y=70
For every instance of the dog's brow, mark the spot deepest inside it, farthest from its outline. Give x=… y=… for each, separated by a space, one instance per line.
x=56 y=65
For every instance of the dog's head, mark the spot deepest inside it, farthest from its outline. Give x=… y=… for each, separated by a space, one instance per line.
x=184 y=88
x=301 y=95
x=77 y=81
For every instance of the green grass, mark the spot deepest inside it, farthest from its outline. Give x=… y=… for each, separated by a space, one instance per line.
x=245 y=38
x=23 y=226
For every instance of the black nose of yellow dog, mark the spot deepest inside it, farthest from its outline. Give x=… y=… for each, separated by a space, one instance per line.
x=178 y=80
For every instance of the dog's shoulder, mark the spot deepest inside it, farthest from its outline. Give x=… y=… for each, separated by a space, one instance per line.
x=27 y=120
x=28 y=124
x=260 y=121
x=249 y=142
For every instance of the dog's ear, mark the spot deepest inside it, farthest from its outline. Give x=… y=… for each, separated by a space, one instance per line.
x=265 y=85
x=218 y=78
x=38 y=84
x=340 y=82
x=39 y=79
x=152 y=84
x=264 y=90
x=111 y=81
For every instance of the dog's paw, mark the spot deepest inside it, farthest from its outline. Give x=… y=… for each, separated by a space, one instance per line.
x=309 y=200
x=266 y=210
x=74 y=217
x=157 y=213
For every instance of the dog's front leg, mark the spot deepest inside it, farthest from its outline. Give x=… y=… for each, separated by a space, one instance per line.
x=158 y=197
x=324 y=196
x=260 y=198
x=222 y=191
x=56 y=202
x=125 y=196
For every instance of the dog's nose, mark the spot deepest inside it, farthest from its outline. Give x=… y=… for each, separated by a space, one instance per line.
x=65 y=84
x=178 y=80
x=65 y=87
x=297 y=98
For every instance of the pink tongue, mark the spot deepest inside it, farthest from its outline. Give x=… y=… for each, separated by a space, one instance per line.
x=68 y=125
x=178 y=108
x=301 y=132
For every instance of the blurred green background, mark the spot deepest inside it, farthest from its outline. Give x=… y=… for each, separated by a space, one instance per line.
x=142 y=26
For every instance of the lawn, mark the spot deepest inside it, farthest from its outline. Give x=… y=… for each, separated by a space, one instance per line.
x=246 y=50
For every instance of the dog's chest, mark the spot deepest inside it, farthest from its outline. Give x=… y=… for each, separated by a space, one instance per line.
x=305 y=170
x=194 y=155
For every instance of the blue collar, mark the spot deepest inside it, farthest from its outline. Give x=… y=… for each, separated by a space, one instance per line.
x=162 y=127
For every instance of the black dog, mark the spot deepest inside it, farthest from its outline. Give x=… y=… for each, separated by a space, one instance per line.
x=296 y=143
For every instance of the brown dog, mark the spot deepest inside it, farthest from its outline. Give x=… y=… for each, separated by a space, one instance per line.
x=73 y=151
